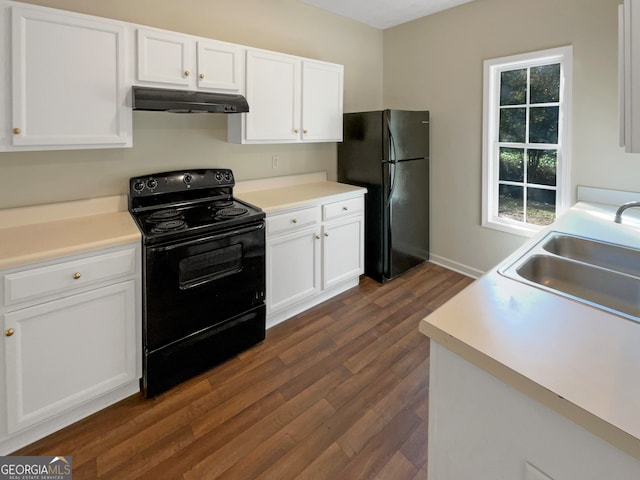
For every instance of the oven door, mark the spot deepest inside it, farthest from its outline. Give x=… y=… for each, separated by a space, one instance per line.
x=195 y=284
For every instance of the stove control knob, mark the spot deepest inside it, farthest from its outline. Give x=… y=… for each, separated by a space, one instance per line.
x=152 y=183
x=138 y=186
x=188 y=178
x=219 y=176
x=228 y=177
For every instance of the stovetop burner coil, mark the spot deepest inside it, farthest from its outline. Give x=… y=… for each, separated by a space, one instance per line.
x=231 y=212
x=221 y=204
x=169 y=226
x=164 y=216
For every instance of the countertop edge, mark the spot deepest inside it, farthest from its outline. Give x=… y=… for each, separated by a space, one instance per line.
x=57 y=253
x=587 y=420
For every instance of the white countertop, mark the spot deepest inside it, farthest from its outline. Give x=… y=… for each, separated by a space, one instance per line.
x=295 y=196
x=578 y=360
x=44 y=232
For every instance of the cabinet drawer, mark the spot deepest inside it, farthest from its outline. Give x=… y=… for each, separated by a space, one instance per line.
x=342 y=208
x=291 y=221
x=67 y=276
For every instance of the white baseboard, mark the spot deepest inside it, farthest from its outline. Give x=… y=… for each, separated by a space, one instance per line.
x=456 y=266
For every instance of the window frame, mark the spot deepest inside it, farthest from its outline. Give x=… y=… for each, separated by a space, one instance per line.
x=491 y=122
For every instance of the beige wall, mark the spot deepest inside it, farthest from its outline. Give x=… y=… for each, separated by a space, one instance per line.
x=165 y=141
x=436 y=63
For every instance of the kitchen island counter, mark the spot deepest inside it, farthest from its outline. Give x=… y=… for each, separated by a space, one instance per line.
x=579 y=361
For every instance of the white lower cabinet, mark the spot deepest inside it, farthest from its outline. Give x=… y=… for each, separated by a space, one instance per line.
x=68 y=352
x=313 y=253
x=481 y=428
x=342 y=252
x=293 y=266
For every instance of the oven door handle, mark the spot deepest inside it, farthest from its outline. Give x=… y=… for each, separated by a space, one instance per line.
x=219 y=236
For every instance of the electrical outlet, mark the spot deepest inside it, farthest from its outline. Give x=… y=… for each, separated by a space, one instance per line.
x=275 y=161
x=532 y=473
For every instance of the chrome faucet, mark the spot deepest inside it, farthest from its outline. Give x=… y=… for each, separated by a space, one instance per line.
x=622 y=208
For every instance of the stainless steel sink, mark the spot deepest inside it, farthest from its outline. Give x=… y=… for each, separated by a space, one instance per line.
x=600 y=274
x=606 y=255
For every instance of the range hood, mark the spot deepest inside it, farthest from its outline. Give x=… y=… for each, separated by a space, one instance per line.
x=186 y=101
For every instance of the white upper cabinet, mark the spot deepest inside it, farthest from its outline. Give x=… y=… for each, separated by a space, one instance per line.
x=322 y=87
x=273 y=93
x=171 y=60
x=291 y=99
x=629 y=70
x=68 y=85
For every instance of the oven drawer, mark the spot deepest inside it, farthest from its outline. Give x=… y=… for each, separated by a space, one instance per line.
x=342 y=208
x=30 y=284
x=290 y=221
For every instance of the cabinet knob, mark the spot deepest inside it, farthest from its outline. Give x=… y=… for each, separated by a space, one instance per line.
x=202 y=75
x=345 y=208
x=318 y=237
x=293 y=220
x=187 y=73
x=305 y=131
x=76 y=275
x=9 y=332
x=326 y=234
x=295 y=130
x=16 y=131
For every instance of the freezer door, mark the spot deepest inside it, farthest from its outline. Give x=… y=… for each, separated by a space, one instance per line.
x=407 y=232
x=407 y=134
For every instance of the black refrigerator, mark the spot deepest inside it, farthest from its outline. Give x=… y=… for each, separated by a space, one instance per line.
x=387 y=152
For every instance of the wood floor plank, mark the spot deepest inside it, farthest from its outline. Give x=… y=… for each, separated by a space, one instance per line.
x=326 y=465
x=337 y=392
x=397 y=467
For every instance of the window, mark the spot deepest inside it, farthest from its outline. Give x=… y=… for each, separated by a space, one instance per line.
x=527 y=105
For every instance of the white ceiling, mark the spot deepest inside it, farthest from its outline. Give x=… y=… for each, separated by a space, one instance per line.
x=384 y=13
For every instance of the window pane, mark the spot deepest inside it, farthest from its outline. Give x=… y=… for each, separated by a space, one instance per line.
x=543 y=125
x=513 y=125
x=545 y=84
x=541 y=206
x=541 y=166
x=513 y=87
x=510 y=202
x=512 y=164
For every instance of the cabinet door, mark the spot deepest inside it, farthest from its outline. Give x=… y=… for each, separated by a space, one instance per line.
x=68 y=351
x=68 y=85
x=273 y=93
x=342 y=250
x=164 y=57
x=322 y=87
x=219 y=66
x=293 y=268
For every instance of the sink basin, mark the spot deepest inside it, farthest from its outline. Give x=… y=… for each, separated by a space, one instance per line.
x=600 y=274
x=606 y=255
x=596 y=286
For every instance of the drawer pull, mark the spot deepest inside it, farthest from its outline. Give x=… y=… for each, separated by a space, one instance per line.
x=293 y=220
x=9 y=332
x=76 y=275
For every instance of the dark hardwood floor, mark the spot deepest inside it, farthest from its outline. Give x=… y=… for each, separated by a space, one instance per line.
x=338 y=392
